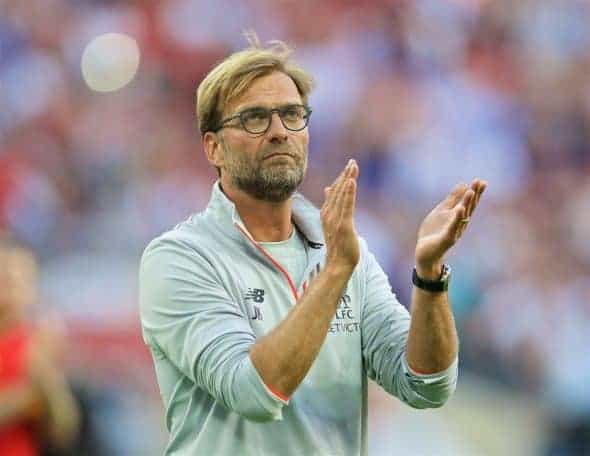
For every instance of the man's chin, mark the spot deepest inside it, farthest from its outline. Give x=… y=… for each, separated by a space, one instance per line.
x=276 y=194
x=275 y=183
x=272 y=193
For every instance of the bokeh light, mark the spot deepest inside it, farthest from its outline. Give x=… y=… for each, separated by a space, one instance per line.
x=110 y=62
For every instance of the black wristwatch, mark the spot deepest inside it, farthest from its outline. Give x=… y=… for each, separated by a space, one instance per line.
x=442 y=284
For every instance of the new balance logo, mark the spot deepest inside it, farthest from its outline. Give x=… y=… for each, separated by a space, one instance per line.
x=255 y=294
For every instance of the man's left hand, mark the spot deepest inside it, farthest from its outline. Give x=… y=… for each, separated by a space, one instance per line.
x=444 y=226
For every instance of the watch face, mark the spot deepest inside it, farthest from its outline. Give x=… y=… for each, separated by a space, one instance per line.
x=446 y=273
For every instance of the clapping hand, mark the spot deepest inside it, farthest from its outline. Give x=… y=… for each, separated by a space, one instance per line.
x=444 y=226
x=337 y=216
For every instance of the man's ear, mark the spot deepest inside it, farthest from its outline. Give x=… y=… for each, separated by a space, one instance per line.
x=213 y=149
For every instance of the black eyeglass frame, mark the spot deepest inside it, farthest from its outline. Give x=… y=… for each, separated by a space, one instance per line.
x=270 y=112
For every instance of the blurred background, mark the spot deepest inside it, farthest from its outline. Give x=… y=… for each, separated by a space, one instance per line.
x=99 y=153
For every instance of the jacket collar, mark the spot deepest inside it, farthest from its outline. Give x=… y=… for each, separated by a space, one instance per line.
x=304 y=214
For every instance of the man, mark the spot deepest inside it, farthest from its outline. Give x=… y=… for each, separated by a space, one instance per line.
x=37 y=409
x=264 y=315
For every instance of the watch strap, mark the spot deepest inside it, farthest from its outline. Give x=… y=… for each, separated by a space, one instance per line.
x=433 y=285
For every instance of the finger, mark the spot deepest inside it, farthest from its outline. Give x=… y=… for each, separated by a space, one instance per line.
x=332 y=190
x=351 y=175
x=478 y=187
x=469 y=199
x=483 y=185
x=348 y=169
x=329 y=196
x=354 y=170
x=455 y=196
x=348 y=201
x=340 y=189
x=459 y=225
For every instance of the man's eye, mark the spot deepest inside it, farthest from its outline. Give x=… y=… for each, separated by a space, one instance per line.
x=294 y=112
x=258 y=114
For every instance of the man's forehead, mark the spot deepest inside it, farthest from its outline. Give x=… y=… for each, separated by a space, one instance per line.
x=269 y=91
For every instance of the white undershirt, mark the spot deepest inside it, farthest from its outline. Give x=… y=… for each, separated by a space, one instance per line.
x=290 y=254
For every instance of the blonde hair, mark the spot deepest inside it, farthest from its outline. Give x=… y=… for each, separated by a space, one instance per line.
x=230 y=78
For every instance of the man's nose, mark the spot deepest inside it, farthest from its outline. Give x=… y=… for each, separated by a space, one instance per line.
x=276 y=129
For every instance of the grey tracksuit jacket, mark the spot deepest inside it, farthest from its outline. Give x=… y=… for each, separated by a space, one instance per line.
x=208 y=290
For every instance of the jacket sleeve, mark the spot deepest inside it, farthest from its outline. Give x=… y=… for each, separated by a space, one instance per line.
x=385 y=326
x=190 y=317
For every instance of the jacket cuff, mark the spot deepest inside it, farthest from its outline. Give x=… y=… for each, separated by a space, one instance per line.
x=256 y=381
x=449 y=372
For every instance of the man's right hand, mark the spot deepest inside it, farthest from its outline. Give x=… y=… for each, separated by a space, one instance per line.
x=337 y=220
x=284 y=356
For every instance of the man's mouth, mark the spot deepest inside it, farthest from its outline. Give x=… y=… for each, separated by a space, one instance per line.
x=278 y=154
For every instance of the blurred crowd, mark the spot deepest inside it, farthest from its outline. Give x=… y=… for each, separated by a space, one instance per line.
x=423 y=93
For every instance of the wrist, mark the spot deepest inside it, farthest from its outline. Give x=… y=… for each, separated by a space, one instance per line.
x=437 y=285
x=338 y=271
x=430 y=272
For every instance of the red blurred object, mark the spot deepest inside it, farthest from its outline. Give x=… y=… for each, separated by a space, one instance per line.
x=16 y=439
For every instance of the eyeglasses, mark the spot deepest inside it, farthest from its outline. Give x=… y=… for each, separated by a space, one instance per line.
x=257 y=120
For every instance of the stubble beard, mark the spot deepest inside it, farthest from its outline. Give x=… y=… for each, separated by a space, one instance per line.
x=264 y=181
